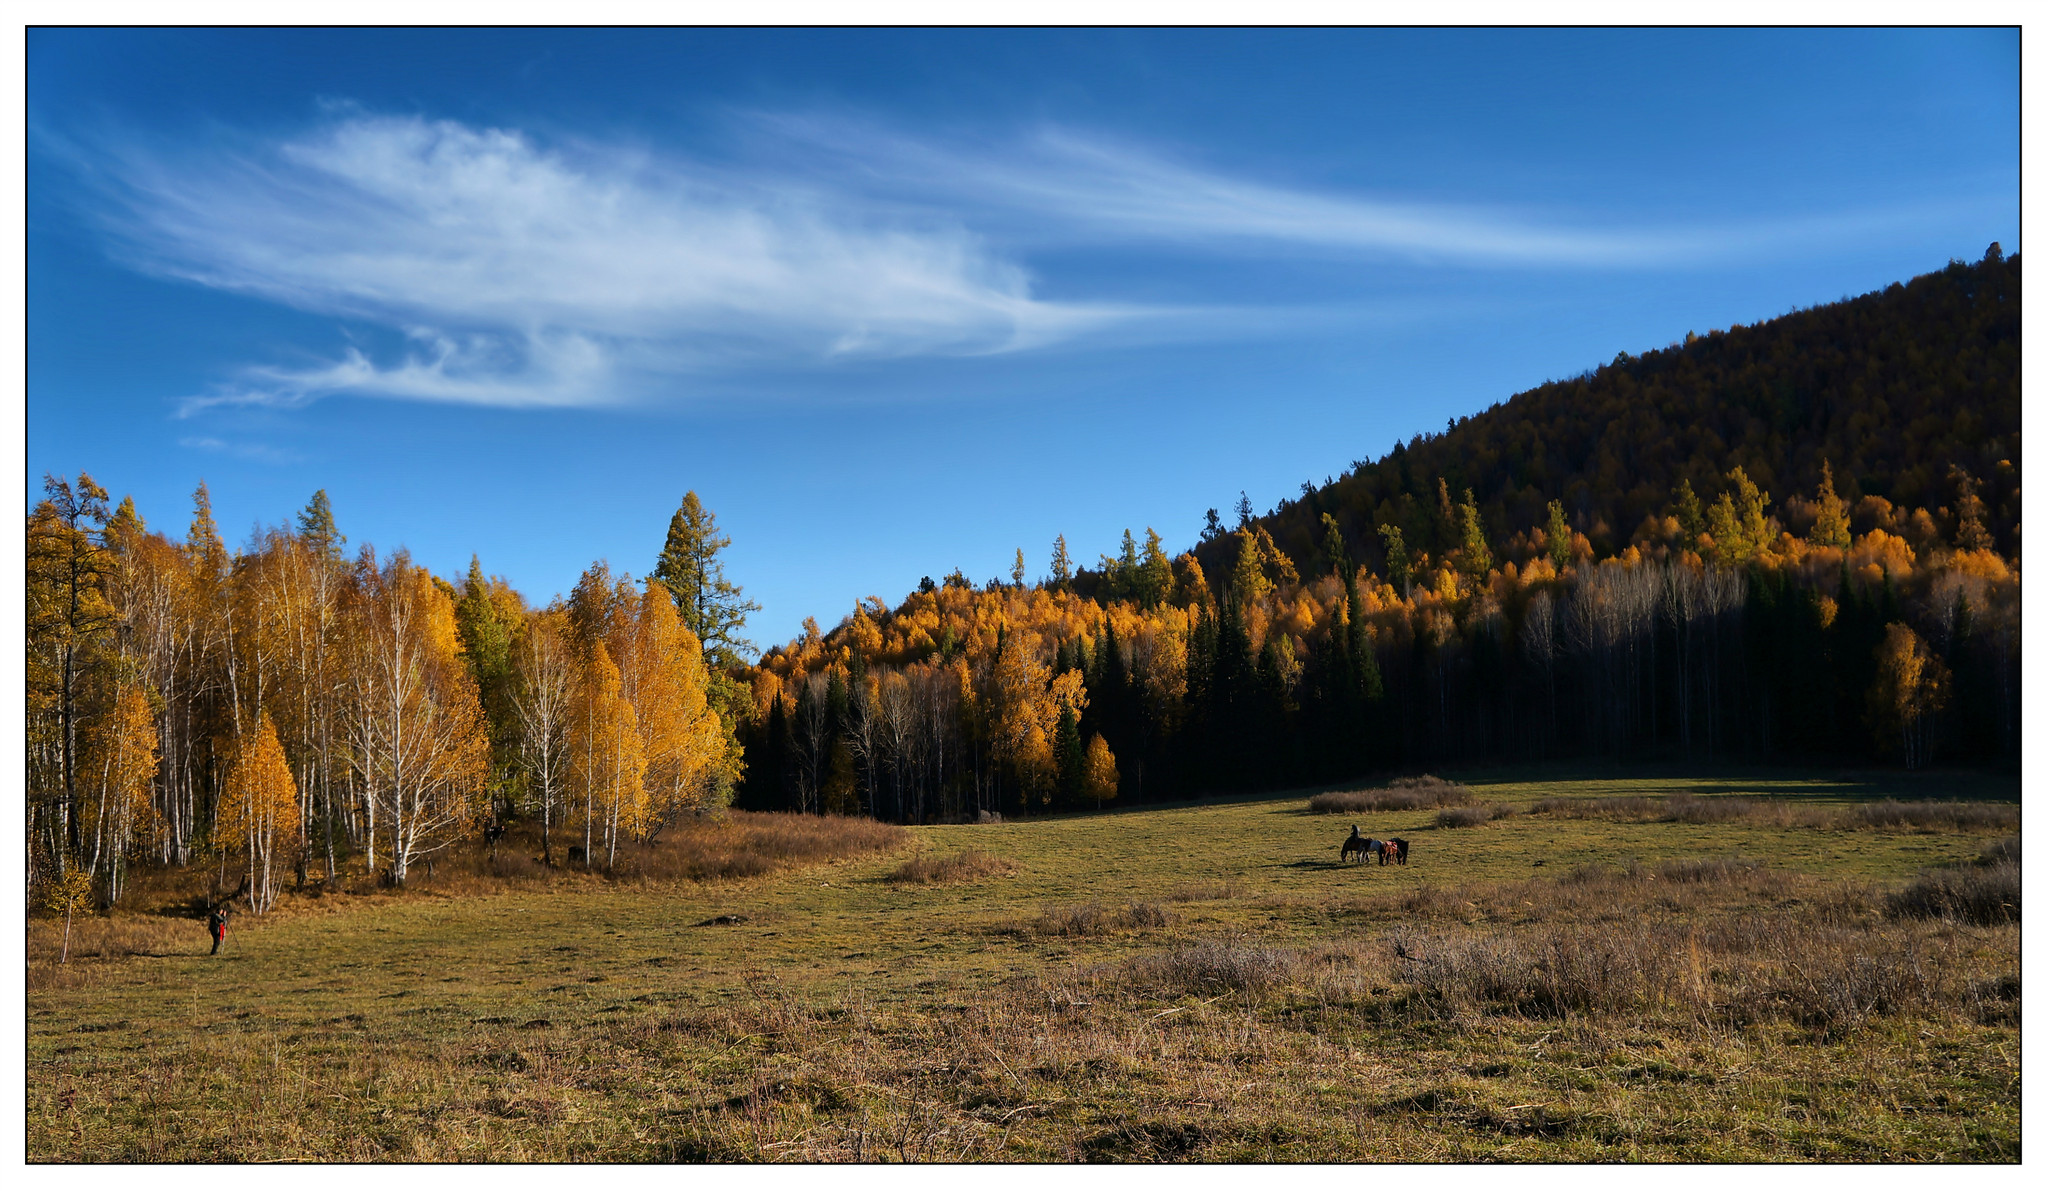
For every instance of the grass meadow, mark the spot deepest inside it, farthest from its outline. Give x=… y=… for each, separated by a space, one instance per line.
x=1599 y=971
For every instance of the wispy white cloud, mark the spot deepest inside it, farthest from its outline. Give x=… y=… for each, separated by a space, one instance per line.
x=529 y=277
x=1061 y=184
x=1109 y=189
x=515 y=274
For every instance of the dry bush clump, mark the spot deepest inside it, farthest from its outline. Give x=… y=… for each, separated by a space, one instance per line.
x=1685 y=808
x=743 y=844
x=1766 y=812
x=1953 y=815
x=969 y=865
x=1205 y=891
x=1472 y=816
x=1094 y=918
x=1213 y=966
x=1401 y=794
x=1703 y=870
x=2002 y=851
x=1985 y=895
x=1793 y=967
x=1625 y=808
x=118 y=936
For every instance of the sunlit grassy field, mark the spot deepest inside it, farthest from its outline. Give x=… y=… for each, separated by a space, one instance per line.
x=1201 y=982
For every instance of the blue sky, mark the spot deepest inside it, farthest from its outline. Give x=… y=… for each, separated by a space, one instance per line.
x=896 y=302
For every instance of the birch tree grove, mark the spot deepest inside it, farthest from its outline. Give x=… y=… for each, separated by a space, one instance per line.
x=420 y=747
x=293 y=714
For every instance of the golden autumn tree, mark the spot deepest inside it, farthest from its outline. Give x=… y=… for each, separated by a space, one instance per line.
x=607 y=758
x=259 y=809
x=1831 y=520
x=690 y=761
x=123 y=768
x=1098 y=771
x=1023 y=715
x=1911 y=686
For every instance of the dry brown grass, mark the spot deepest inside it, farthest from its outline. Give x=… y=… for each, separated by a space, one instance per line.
x=1986 y=895
x=1470 y=1007
x=1210 y=967
x=1093 y=918
x=969 y=865
x=1765 y=812
x=1401 y=794
x=1472 y=816
x=1625 y=808
x=1205 y=891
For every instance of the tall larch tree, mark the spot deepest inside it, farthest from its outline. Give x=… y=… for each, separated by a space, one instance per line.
x=1831 y=516
x=1062 y=564
x=711 y=606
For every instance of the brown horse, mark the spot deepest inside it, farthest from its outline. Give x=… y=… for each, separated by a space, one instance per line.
x=1398 y=848
x=1356 y=843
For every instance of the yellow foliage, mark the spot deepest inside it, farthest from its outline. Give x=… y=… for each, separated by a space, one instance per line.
x=259 y=807
x=1882 y=550
x=1098 y=770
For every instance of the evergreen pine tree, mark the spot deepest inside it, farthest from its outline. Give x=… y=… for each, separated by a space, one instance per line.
x=1062 y=565
x=711 y=606
x=1155 y=572
x=1068 y=760
x=1398 y=571
x=1475 y=558
x=1559 y=532
x=316 y=525
x=1333 y=549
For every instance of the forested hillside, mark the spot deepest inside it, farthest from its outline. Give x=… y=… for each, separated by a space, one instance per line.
x=1793 y=540
x=1893 y=389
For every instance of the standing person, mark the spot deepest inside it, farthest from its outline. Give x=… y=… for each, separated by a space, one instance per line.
x=217 y=926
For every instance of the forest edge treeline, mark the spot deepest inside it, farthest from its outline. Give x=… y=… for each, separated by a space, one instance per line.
x=1467 y=597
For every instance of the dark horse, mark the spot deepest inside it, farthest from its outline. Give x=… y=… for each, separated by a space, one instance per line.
x=1356 y=843
x=1399 y=849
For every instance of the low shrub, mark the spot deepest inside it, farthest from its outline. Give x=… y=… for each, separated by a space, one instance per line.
x=1953 y=815
x=1708 y=870
x=1205 y=891
x=969 y=865
x=742 y=844
x=1214 y=967
x=1401 y=794
x=1472 y=816
x=1094 y=918
x=1798 y=967
x=1632 y=807
x=1985 y=895
x=1685 y=808
x=2001 y=851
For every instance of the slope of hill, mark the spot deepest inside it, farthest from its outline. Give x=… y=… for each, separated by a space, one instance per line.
x=1892 y=388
